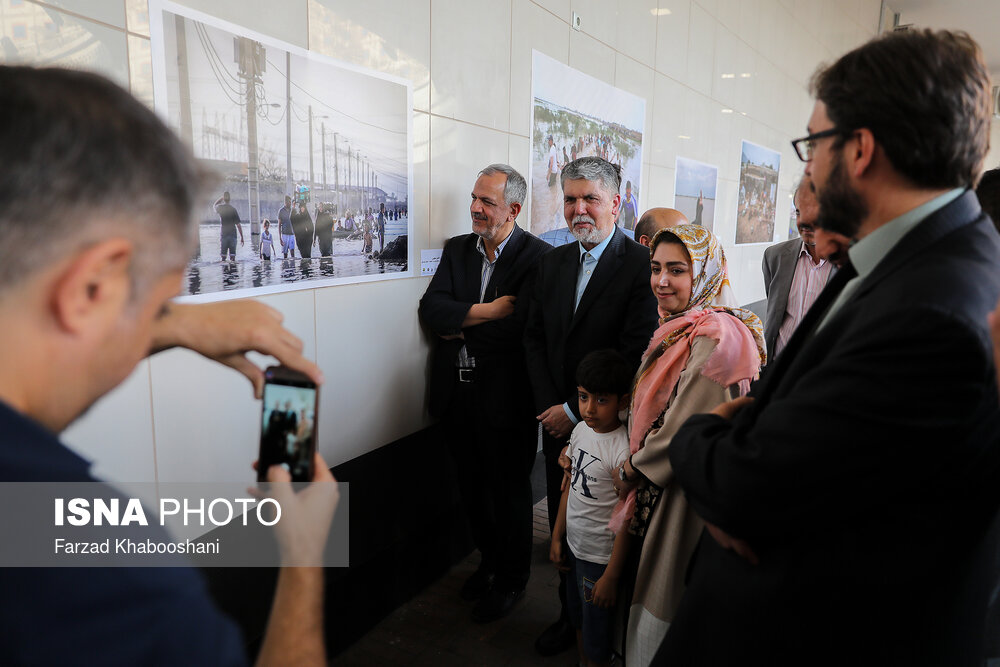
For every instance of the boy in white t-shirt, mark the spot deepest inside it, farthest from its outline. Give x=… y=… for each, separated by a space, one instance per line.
x=596 y=556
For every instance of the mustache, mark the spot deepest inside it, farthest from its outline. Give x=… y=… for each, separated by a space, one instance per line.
x=479 y=216
x=583 y=218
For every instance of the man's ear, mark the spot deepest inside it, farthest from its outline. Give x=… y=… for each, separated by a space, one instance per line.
x=515 y=209
x=90 y=293
x=861 y=152
x=616 y=204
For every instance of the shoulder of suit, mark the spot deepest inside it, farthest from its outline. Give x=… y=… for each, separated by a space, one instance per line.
x=778 y=248
x=559 y=252
x=455 y=242
x=532 y=241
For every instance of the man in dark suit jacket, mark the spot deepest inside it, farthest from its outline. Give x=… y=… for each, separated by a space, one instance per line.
x=793 y=268
x=588 y=295
x=479 y=383
x=849 y=504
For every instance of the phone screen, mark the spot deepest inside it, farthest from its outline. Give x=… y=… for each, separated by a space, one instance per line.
x=288 y=424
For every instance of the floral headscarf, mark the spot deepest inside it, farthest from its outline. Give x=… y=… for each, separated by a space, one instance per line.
x=710 y=286
x=736 y=359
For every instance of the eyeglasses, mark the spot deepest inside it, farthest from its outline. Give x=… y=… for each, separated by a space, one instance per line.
x=804 y=147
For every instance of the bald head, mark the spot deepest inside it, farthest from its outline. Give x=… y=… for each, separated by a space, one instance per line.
x=656 y=219
x=806 y=210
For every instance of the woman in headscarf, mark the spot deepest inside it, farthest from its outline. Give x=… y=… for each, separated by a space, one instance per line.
x=705 y=352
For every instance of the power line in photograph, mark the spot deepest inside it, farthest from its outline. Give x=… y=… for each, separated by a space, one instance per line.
x=334 y=109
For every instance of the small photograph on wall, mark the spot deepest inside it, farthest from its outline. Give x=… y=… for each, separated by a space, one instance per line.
x=758 y=193
x=793 y=226
x=313 y=156
x=694 y=191
x=575 y=115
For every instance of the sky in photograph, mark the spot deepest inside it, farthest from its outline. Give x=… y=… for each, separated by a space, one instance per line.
x=761 y=156
x=366 y=112
x=580 y=92
x=695 y=177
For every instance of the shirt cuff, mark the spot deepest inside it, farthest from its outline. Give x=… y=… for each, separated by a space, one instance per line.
x=569 y=413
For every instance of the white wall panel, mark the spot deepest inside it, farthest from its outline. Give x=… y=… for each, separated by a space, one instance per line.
x=458 y=152
x=470 y=60
x=598 y=19
x=536 y=29
x=383 y=35
x=286 y=21
x=116 y=435
x=375 y=358
x=591 y=57
x=206 y=420
x=636 y=30
x=672 y=29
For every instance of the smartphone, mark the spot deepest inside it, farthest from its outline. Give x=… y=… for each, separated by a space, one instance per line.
x=288 y=423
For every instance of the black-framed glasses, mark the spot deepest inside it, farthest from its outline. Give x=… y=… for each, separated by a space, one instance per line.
x=804 y=146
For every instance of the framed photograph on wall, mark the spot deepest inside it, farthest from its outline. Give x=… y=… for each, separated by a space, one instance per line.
x=758 y=194
x=574 y=115
x=313 y=156
x=694 y=191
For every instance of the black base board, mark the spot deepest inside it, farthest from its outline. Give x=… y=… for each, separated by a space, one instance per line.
x=407 y=529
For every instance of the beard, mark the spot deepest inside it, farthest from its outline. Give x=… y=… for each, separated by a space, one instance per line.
x=841 y=209
x=487 y=232
x=594 y=236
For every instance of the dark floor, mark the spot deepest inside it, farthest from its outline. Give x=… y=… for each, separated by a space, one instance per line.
x=434 y=628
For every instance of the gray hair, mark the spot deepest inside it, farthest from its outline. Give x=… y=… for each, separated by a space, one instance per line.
x=75 y=173
x=592 y=168
x=515 y=189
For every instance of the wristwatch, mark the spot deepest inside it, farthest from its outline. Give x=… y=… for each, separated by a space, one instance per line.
x=621 y=471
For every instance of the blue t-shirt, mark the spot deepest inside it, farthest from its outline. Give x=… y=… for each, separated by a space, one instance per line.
x=100 y=615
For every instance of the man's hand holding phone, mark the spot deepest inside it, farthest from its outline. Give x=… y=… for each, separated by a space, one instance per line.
x=305 y=516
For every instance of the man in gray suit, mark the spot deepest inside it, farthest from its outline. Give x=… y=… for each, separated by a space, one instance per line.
x=794 y=273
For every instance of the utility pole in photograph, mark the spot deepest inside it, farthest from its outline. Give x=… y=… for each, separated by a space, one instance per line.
x=312 y=176
x=336 y=177
x=250 y=56
x=288 y=123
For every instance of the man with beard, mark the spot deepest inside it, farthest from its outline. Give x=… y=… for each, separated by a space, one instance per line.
x=589 y=295
x=302 y=226
x=479 y=383
x=848 y=501
x=794 y=273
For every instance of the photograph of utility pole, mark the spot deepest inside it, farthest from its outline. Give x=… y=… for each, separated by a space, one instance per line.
x=313 y=158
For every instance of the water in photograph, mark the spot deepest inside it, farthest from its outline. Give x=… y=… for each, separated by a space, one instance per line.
x=208 y=273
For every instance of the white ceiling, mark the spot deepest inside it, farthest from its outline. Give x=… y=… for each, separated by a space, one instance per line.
x=979 y=18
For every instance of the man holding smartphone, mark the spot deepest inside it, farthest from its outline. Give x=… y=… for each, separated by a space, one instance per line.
x=84 y=311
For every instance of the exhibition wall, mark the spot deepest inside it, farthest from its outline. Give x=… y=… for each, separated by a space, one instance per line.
x=713 y=73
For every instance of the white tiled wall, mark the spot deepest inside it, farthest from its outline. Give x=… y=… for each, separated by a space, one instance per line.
x=179 y=417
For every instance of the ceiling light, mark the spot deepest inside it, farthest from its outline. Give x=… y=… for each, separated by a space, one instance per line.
x=663 y=11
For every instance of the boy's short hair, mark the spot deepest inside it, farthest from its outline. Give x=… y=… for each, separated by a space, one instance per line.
x=604 y=372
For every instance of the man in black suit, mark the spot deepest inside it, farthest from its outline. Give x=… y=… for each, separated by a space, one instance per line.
x=479 y=383
x=848 y=505
x=588 y=295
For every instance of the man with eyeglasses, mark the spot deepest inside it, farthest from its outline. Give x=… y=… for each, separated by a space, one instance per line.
x=849 y=501
x=794 y=273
